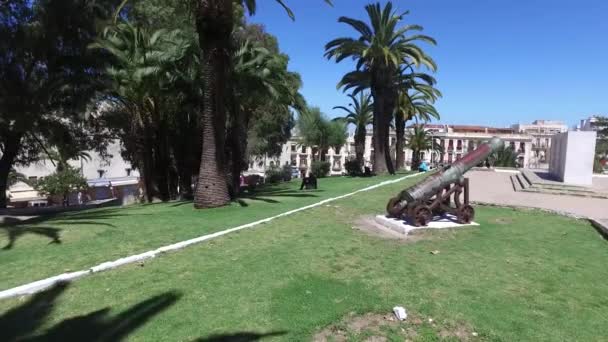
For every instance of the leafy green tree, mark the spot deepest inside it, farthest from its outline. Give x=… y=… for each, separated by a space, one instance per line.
x=359 y=114
x=47 y=75
x=381 y=49
x=263 y=88
x=601 y=146
x=418 y=141
x=62 y=183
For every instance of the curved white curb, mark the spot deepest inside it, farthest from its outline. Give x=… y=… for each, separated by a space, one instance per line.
x=48 y=282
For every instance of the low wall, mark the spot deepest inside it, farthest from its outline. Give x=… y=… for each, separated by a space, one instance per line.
x=36 y=211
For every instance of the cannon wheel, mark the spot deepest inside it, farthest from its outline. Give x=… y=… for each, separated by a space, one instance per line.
x=392 y=209
x=465 y=214
x=422 y=215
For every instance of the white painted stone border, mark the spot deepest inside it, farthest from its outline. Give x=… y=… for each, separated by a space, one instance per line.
x=40 y=285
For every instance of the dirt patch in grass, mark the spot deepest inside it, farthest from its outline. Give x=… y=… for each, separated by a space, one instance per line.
x=374 y=327
x=502 y=220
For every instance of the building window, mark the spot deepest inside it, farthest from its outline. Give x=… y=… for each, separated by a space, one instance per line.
x=303 y=149
x=101 y=173
x=512 y=145
x=303 y=161
x=293 y=160
x=450 y=145
x=32 y=178
x=294 y=148
x=128 y=171
x=459 y=145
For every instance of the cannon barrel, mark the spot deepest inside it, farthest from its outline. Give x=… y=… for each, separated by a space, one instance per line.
x=453 y=173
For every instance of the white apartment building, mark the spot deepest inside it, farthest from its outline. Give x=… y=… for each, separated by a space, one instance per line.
x=589 y=124
x=541 y=132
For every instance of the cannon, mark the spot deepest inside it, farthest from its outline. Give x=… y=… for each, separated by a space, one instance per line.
x=435 y=194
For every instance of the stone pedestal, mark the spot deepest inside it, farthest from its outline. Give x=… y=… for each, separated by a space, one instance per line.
x=571 y=157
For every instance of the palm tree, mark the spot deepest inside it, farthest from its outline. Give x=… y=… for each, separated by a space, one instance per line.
x=417 y=104
x=360 y=114
x=140 y=60
x=15 y=177
x=380 y=50
x=504 y=157
x=419 y=140
x=316 y=131
x=214 y=23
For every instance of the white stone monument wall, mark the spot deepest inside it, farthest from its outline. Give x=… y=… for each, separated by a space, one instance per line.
x=571 y=157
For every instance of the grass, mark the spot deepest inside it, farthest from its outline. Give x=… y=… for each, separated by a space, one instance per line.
x=519 y=276
x=74 y=241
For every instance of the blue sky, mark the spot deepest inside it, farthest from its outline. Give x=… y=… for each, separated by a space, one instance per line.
x=500 y=61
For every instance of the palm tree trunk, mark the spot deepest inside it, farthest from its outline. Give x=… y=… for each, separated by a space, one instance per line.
x=147 y=169
x=214 y=22
x=379 y=133
x=238 y=144
x=400 y=133
x=389 y=108
x=11 y=149
x=162 y=163
x=360 y=135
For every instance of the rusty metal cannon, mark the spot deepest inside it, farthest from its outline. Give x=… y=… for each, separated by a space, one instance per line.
x=434 y=195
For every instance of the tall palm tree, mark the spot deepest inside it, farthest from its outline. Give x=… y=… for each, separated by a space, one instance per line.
x=416 y=104
x=214 y=23
x=380 y=50
x=360 y=114
x=419 y=140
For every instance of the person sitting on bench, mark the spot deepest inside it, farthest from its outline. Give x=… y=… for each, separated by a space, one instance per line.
x=309 y=182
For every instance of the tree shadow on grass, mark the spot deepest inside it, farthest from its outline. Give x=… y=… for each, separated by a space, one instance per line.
x=240 y=337
x=25 y=322
x=14 y=232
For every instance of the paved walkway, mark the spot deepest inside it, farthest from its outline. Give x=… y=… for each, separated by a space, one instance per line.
x=496 y=188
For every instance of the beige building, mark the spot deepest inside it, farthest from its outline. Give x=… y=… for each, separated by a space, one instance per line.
x=456 y=141
x=107 y=178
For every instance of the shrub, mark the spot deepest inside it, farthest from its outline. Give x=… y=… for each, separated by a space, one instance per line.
x=353 y=168
x=62 y=183
x=274 y=175
x=597 y=165
x=320 y=169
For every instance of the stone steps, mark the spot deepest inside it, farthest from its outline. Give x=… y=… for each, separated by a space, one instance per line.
x=528 y=181
x=566 y=192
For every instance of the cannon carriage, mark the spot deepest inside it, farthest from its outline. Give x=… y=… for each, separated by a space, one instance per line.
x=446 y=191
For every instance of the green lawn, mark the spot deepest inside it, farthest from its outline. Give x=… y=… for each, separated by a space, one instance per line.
x=95 y=236
x=520 y=276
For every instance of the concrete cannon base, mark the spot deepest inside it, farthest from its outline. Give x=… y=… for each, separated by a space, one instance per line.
x=403 y=227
